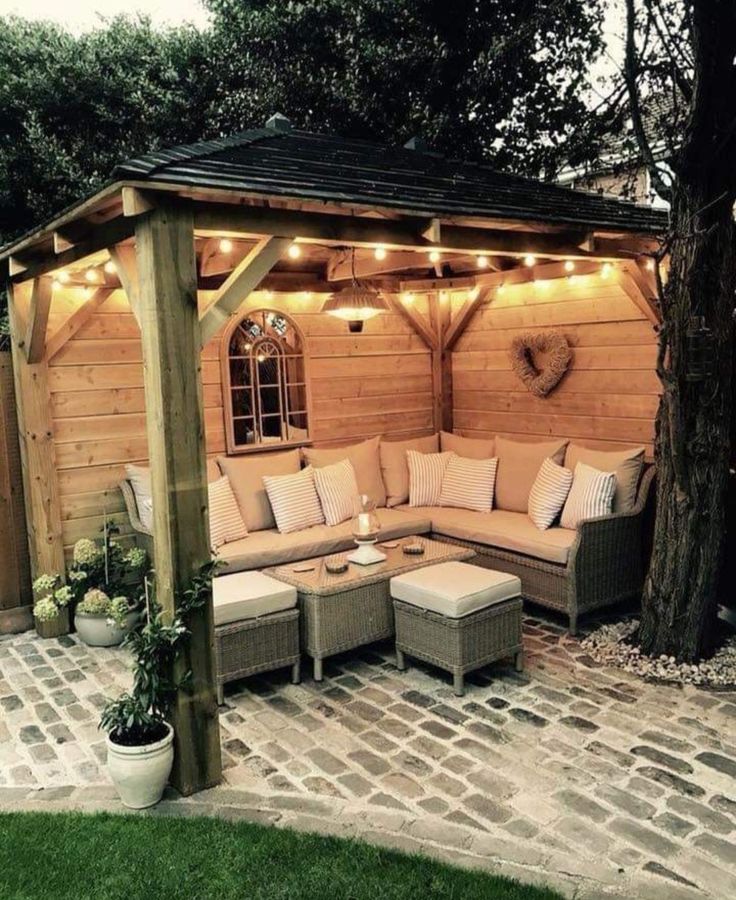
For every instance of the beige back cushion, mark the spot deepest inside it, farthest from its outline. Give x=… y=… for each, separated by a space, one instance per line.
x=518 y=465
x=468 y=448
x=246 y=478
x=627 y=465
x=395 y=468
x=365 y=459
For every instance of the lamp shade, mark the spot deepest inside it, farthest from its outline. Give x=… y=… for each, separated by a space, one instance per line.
x=355 y=304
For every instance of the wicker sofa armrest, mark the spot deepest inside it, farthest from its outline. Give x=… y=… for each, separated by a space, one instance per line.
x=606 y=560
x=131 y=507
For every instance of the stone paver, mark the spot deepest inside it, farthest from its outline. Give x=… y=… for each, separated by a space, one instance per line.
x=568 y=774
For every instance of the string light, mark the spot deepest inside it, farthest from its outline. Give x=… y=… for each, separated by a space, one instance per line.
x=434 y=256
x=380 y=253
x=307 y=295
x=569 y=265
x=63 y=276
x=268 y=295
x=650 y=265
x=530 y=259
x=408 y=298
x=110 y=267
x=444 y=297
x=606 y=270
x=295 y=251
x=482 y=262
x=501 y=288
x=90 y=275
x=56 y=284
x=226 y=245
x=87 y=291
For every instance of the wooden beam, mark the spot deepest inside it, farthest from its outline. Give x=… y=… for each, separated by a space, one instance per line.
x=212 y=219
x=629 y=277
x=75 y=321
x=454 y=283
x=458 y=325
x=433 y=232
x=243 y=279
x=136 y=202
x=415 y=319
x=62 y=242
x=340 y=264
x=124 y=259
x=38 y=455
x=38 y=317
x=103 y=236
x=440 y=312
x=171 y=343
x=16 y=266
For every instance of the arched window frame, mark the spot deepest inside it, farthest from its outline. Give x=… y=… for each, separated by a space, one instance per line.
x=233 y=446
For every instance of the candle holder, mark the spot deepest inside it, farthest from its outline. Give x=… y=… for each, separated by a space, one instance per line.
x=366 y=527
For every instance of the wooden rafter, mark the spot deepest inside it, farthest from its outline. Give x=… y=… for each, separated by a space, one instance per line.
x=123 y=258
x=244 y=278
x=340 y=264
x=417 y=321
x=75 y=321
x=633 y=283
x=38 y=317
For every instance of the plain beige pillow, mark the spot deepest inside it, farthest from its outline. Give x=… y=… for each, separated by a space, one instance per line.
x=627 y=465
x=246 y=479
x=518 y=465
x=365 y=459
x=395 y=468
x=468 y=448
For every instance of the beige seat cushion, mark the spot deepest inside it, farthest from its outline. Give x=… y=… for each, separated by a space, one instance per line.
x=246 y=478
x=247 y=595
x=395 y=469
x=366 y=461
x=518 y=465
x=468 y=448
x=269 y=548
x=501 y=528
x=627 y=465
x=455 y=589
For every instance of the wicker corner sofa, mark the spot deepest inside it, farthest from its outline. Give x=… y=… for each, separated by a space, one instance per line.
x=605 y=562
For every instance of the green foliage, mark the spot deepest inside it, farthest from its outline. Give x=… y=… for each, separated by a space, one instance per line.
x=97 y=603
x=155 y=643
x=51 y=596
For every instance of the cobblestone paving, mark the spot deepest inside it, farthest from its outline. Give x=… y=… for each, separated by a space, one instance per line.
x=581 y=777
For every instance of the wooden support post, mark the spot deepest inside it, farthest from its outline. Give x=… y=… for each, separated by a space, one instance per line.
x=458 y=325
x=171 y=342
x=440 y=313
x=243 y=279
x=38 y=317
x=75 y=321
x=123 y=258
x=38 y=457
x=417 y=321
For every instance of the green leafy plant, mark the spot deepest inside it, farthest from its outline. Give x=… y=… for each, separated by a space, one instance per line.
x=138 y=716
x=51 y=596
x=97 y=603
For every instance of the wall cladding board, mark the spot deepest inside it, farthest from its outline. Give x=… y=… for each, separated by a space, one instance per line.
x=610 y=394
x=378 y=382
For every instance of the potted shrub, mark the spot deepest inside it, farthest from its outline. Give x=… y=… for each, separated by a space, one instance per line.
x=51 y=606
x=107 y=583
x=140 y=751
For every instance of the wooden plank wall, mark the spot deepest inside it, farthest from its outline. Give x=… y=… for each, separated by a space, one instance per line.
x=362 y=385
x=610 y=394
x=15 y=570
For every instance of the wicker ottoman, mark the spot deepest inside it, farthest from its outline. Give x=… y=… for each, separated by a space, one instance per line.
x=256 y=627
x=458 y=617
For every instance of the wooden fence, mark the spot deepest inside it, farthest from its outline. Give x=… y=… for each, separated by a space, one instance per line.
x=15 y=572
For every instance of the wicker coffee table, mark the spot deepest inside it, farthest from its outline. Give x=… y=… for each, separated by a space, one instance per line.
x=339 y=612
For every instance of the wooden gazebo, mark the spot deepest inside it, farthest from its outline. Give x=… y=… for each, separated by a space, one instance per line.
x=118 y=307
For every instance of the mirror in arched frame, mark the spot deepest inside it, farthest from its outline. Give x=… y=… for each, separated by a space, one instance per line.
x=265 y=382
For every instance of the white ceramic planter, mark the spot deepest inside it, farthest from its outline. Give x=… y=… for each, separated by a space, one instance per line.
x=101 y=631
x=140 y=774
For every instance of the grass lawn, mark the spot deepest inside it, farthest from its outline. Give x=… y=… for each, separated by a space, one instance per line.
x=72 y=855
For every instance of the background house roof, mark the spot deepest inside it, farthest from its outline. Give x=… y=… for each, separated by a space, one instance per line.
x=299 y=164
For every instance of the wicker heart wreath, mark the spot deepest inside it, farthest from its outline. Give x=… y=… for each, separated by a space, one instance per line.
x=541 y=382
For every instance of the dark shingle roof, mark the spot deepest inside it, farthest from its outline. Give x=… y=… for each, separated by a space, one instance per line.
x=303 y=165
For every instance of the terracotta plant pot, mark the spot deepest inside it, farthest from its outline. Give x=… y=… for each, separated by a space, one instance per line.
x=53 y=627
x=140 y=774
x=101 y=631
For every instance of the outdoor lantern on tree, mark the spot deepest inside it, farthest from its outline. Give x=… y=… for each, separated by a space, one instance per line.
x=700 y=350
x=356 y=303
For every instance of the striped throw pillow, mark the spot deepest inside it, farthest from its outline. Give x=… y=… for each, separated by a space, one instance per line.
x=591 y=495
x=337 y=487
x=548 y=493
x=294 y=500
x=426 y=471
x=226 y=521
x=469 y=483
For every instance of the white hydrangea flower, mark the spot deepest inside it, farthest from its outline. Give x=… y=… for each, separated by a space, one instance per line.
x=86 y=551
x=45 y=584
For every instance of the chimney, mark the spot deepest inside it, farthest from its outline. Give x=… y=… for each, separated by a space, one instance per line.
x=277 y=122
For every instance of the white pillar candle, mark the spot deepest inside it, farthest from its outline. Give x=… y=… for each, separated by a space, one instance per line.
x=364 y=523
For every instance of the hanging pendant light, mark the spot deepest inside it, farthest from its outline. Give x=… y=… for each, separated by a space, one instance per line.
x=355 y=304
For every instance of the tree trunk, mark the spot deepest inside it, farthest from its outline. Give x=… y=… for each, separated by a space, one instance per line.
x=693 y=424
